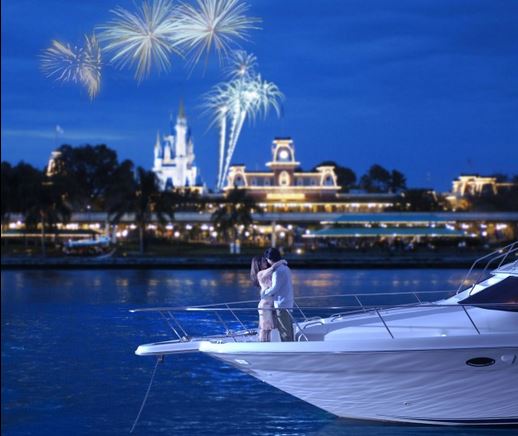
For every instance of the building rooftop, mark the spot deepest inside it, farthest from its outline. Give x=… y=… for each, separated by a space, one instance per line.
x=392 y=217
x=353 y=232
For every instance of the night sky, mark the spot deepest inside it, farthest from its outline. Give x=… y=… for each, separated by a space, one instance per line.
x=426 y=87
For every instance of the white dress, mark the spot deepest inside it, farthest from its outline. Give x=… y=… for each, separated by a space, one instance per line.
x=266 y=323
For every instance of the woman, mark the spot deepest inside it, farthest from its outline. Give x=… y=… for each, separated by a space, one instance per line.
x=261 y=276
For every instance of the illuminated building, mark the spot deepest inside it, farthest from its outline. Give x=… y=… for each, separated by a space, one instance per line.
x=174 y=156
x=287 y=188
x=51 y=165
x=474 y=185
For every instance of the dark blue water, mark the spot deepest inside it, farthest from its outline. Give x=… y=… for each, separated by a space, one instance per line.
x=68 y=363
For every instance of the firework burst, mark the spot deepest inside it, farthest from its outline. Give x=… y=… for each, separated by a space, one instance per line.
x=212 y=25
x=91 y=71
x=67 y=63
x=248 y=98
x=62 y=61
x=242 y=64
x=143 y=39
x=233 y=102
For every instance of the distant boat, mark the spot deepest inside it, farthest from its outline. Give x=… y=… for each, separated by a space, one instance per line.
x=107 y=255
x=98 y=245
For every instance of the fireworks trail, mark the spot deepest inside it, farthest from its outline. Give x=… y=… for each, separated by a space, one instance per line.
x=245 y=97
x=143 y=39
x=67 y=63
x=222 y=136
x=212 y=25
x=217 y=104
x=253 y=97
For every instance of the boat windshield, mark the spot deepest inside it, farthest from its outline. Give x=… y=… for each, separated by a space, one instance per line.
x=500 y=294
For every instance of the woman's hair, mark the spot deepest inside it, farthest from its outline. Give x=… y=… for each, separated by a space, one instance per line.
x=259 y=263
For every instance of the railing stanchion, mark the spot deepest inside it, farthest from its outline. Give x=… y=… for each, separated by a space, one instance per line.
x=300 y=310
x=298 y=326
x=471 y=319
x=186 y=335
x=227 y=330
x=235 y=316
x=170 y=325
x=360 y=303
x=384 y=323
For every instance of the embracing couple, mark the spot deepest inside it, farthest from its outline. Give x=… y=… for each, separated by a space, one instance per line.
x=271 y=274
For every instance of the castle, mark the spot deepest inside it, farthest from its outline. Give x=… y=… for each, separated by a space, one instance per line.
x=174 y=156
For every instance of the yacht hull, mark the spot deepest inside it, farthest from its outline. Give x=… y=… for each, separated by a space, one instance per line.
x=432 y=386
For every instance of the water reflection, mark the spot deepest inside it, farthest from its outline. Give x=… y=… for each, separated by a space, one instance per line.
x=68 y=362
x=184 y=287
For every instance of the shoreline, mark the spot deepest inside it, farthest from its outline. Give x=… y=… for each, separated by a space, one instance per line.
x=236 y=262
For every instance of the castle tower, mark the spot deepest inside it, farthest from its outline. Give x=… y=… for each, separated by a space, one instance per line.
x=181 y=132
x=157 y=151
x=283 y=162
x=174 y=156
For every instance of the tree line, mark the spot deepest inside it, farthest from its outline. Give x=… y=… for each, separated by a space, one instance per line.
x=377 y=179
x=86 y=178
x=91 y=178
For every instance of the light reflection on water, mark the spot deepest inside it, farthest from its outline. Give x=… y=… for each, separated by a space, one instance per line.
x=68 y=365
x=192 y=287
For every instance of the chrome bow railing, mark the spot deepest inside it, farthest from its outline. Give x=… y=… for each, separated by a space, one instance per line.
x=493 y=260
x=239 y=318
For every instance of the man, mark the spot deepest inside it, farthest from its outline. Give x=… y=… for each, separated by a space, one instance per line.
x=282 y=293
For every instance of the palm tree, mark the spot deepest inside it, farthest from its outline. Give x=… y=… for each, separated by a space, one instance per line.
x=139 y=193
x=41 y=200
x=235 y=214
x=47 y=206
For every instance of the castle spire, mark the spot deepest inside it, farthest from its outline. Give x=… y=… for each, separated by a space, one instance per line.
x=171 y=123
x=158 y=148
x=181 y=109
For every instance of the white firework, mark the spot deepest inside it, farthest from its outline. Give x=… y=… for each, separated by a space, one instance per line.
x=212 y=25
x=249 y=97
x=217 y=103
x=269 y=96
x=233 y=102
x=91 y=70
x=142 y=39
x=67 y=63
x=62 y=61
x=242 y=64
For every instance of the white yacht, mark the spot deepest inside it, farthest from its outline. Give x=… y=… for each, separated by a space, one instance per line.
x=448 y=362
